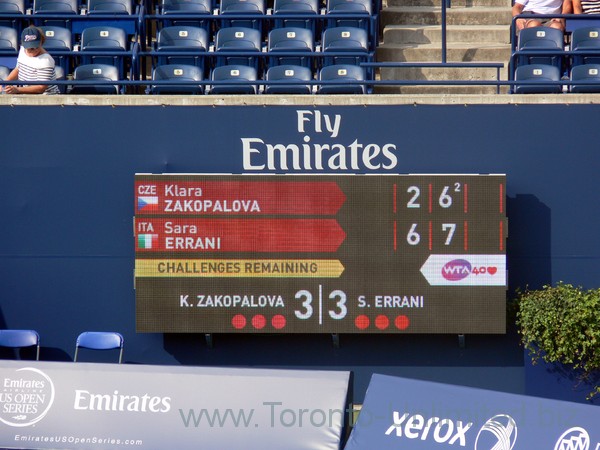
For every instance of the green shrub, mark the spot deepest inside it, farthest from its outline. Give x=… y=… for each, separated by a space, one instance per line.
x=561 y=324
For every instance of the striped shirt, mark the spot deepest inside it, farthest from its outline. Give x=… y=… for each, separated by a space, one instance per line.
x=590 y=6
x=37 y=68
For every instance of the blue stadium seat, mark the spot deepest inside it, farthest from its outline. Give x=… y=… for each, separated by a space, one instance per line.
x=233 y=75
x=342 y=72
x=9 y=40
x=104 y=39
x=9 y=46
x=12 y=7
x=587 y=41
x=294 y=75
x=186 y=7
x=178 y=74
x=242 y=7
x=350 y=6
x=341 y=40
x=290 y=39
x=62 y=12
x=240 y=40
x=195 y=9
x=123 y=14
x=353 y=8
x=60 y=75
x=4 y=71
x=95 y=72
x=542 y=45
x=588 y=73
x=58 y=7
x=109 y=7
x=538 y=73
x=59 y=39
x=182 y=39
x=304 y=8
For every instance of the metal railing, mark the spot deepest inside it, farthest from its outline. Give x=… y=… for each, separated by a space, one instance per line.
x=369 y=84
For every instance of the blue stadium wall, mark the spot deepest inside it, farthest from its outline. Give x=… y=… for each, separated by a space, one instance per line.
x=66 y=233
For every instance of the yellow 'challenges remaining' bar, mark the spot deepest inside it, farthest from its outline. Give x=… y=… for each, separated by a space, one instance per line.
x=235 y=268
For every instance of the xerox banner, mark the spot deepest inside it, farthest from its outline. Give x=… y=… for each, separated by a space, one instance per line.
x=109 y=406
x=418 y=415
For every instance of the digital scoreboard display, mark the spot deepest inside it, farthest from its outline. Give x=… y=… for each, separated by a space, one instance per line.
x=320 y=253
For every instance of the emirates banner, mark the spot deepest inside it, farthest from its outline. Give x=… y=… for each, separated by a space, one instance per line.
x=109 y=406
x=419 y=415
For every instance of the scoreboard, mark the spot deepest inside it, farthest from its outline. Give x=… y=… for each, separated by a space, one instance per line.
x=320 y=253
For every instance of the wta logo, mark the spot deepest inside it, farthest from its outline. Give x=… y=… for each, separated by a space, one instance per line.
x=575 y=438
x=498 y=433
x=457 y=269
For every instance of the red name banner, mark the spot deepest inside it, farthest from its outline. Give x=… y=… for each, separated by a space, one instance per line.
x=238 y=235
x=238 y=197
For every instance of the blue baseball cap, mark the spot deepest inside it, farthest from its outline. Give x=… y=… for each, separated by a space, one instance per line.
x=31 y=37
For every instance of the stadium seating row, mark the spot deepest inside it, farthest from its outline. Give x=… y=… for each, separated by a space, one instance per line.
x=203 y=13
x=189 y=46
x=230 y=79
x=239 y=45
x=107 y=45
x=204 y=34
x=184 y=6
x=544 y=45
x=544 y=56
x=546 y=79
x=239 y=79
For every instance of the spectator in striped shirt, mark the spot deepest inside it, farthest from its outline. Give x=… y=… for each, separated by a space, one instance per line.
x=586 y=6
x=33 y=64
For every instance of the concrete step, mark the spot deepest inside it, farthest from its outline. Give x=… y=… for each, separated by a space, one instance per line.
x=439 y=90
x=477 y=31
x=413 y=15
x=453 y=3
x=427 y=34
x=442 y=73
x=458 y=52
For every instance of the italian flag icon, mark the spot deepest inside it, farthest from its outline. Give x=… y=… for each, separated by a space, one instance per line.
x=147 y=240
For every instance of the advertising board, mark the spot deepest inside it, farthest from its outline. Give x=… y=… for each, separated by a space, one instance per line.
x=49 y=405
x=421 y=415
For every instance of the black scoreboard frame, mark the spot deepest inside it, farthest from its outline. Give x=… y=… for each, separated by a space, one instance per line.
x=412 y=253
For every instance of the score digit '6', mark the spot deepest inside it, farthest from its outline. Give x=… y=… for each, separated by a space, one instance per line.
x=337 y=295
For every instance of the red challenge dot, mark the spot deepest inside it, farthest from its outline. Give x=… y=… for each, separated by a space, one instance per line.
x=238 y=321
x=382 y=322
x=278 y=322
x=259 y=321
x=402 y=322
x=362 y=322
